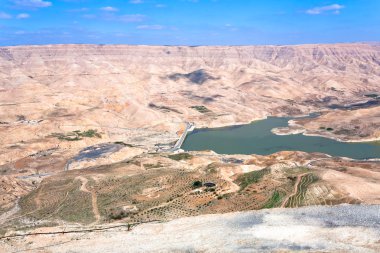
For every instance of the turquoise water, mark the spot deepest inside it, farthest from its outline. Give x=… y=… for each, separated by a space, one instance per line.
x=257 y=138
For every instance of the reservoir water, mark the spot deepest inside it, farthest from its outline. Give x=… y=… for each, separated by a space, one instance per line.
x=257 y=138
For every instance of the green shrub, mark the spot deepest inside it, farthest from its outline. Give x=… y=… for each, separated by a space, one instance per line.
x=117 y=214
x=371 y=95
x=274 y=201
x=152 y=166
x=123 y=143
x=251 y=177
x=200 y=108
x=77 y=135
x=89 y=133
x=197 y=184
x=181 y=156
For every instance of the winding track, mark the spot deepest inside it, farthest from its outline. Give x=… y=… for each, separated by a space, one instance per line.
x=299 y=178
x=94 y=199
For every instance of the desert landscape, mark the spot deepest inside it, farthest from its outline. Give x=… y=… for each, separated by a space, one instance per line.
x=91 y=147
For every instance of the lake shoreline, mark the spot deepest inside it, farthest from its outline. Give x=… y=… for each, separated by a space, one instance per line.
x=263 y=137
x=304 y=132
x=293 y=123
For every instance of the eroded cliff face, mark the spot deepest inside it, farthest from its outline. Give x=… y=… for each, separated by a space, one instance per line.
x=143 y=94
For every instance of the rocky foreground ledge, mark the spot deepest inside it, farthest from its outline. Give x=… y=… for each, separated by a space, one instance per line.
x=354 y=228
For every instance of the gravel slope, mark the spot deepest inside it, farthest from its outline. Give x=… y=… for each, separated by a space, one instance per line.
x=344 y=228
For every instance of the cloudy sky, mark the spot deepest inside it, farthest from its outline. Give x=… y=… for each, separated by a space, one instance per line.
x=188 y=22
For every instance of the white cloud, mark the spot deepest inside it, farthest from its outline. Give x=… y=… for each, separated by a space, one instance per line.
x=109 y=8
x=150 y=27
x=23 y=16
x=32 y=3
x=136 y=1
x=334 y=8
x=4 y=15
x=160 y=5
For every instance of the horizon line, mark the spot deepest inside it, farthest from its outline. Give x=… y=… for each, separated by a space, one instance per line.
x=183 y=45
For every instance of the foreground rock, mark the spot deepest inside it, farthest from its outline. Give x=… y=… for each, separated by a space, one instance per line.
x=342 y=228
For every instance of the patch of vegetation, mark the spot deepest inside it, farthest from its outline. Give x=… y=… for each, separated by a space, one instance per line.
x=89 y=133
x=306 y=181
x=251 y=177
x=373 y=95
x=200 y=108
x=77 y=206
x=20 y=117
x=60 y=199
x=212 y=168
x=295 y=171
x=344 y=132
x=181 y=156
x=133 y=161
x=3 y=231
x=123 y=143
x=152 y=166
x=163 y=108
x=329 y=129
x=77 y=135
x=117 y=214
x=322 y=128
x=210 y=190
x=197 y=184
x=4 y=170
x=275 y=200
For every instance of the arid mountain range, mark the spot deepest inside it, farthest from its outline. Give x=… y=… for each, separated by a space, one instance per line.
x=143 y=94
x=81 y=126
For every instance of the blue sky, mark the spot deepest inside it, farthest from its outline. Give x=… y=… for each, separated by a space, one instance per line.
x=188 y=22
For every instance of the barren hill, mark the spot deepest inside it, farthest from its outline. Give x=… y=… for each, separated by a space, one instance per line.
x=80 y=126
x=120 y=90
